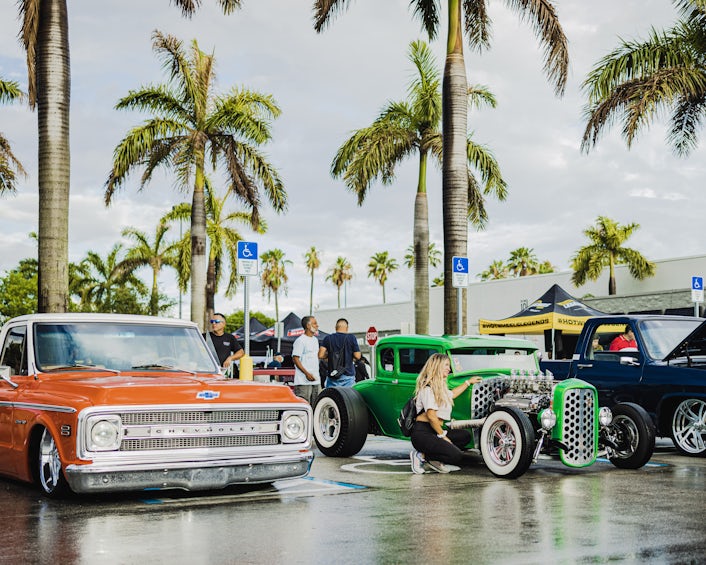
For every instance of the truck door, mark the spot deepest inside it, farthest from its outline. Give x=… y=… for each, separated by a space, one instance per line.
x=13 y=359
x=615 y=373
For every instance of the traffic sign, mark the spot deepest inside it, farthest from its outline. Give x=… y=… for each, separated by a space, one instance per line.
x=371 y=336
x=247 y=258
x=459 y=268
x=697 y=289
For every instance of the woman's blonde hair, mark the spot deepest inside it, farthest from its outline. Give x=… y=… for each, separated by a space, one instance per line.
x=432 y=375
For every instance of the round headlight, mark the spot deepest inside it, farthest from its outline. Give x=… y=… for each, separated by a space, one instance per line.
x=294 y=427
x=547 y=418
x=605 y=416
x=105 y=435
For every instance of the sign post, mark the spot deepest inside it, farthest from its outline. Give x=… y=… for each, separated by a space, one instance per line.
x=460 y=281
x=371 y=336
x=697 y=293
x=247 y=267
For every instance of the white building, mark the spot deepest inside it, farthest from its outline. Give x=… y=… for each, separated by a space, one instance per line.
x=669 y=289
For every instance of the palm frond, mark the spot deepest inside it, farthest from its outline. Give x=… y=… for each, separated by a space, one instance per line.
x=542 y=16
x=324 y=10
x=478 y=25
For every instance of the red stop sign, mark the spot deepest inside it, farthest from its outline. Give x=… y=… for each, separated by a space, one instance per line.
x=371 y=336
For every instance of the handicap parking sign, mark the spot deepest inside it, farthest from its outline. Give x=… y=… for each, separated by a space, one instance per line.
x=459 y=271
x=247 y=258
x=697 y=289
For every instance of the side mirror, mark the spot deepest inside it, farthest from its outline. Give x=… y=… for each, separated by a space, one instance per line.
x=5 y=372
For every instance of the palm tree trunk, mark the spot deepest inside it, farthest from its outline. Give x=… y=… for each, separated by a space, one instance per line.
x=611 y=277
x=339 y=297
x=53 y=101
x=455 y=179
x=421 y=251
x=154 y=298
x=311 y=293
x=211 y=288
x=198 y=250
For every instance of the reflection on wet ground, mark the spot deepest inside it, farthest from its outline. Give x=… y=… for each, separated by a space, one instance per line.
x=372 y=509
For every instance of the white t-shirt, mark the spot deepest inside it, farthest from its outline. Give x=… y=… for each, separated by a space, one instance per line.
x=307 y=349
x=426 y=401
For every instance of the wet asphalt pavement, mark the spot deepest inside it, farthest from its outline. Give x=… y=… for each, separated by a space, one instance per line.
x=372 y=509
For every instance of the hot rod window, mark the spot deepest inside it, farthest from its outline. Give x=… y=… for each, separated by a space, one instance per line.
x=13 y=351
x=412 y=359
x=387 y=359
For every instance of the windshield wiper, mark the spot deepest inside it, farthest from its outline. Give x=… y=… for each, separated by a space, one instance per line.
x=81 y=366
x=163 y=367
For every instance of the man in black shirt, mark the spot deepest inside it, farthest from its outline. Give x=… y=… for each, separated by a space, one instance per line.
x=227 y=347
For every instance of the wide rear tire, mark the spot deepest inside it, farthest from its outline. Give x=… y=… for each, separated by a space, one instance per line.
x=632 y=430
x=507 y=442
x=340 y=422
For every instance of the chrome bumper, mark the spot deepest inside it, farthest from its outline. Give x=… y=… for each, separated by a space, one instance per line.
x=188 y=475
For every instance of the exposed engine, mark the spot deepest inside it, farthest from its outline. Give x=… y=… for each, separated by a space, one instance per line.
x=529 y=393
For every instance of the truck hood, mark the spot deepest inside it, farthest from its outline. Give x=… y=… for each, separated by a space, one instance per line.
x=693 y=345
x=161 y=389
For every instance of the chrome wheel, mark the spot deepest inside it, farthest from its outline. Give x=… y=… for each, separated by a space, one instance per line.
x=507 y=442
x=689 y=427
x=50 y=478
x=327 y=422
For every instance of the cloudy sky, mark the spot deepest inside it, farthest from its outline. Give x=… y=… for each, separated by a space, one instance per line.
x=332 y=83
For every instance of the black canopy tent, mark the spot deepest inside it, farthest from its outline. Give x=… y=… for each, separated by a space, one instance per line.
x=256 y=326
x=265 y=339
x=556 y=314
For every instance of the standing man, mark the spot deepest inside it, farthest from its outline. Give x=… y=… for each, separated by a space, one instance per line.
x=307 y=384
x=225 y=345
x=340 y=348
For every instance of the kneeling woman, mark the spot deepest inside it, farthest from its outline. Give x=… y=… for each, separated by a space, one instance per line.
x=434 y=445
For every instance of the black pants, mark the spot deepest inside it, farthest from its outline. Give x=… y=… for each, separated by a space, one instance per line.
x=434 y=448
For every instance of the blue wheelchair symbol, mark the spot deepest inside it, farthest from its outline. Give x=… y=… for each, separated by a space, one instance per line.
x=697 y=283
x=460 y=264
x=247 y=250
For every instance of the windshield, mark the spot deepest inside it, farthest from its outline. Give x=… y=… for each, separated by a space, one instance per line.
x=493 y=358
x=120 y=346
x=662 y=336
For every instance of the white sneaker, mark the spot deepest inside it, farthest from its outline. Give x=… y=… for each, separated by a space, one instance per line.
x=417 y=462
x=440 y=467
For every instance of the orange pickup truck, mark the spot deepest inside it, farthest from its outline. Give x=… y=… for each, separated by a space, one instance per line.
x=101 y=402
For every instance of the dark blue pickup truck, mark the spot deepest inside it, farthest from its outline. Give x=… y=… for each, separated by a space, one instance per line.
x=665 y=373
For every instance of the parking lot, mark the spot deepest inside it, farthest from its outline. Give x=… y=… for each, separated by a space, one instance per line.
x=372 y=509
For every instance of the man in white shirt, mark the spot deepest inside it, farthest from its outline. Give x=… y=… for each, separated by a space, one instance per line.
x=305 y=354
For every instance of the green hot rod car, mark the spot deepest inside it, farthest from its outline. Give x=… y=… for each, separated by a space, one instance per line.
x=515 y=414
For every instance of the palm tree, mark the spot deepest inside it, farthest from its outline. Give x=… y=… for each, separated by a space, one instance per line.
x=192 y=127
x=223 y=240
x=339 y=274
x=543 y=18
x=100 y=284
x=434 y=256
x=312 y=262
x=408 y=128
x=10 y=167
x=605 y=250
x=380 y=267
x=274 y=276
x=154 y=254
x=45 y=37
x=523 y=262
x=643 y=79
x=496 y=270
